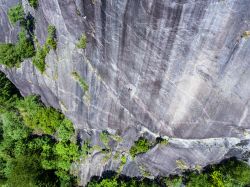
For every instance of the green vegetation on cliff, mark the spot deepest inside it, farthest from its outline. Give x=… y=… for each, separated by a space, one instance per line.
x=16 y=13
x=12 y=55
x=82 y=44
x=142 y=145
x=33 y=3
x=229 y=173
x=42 y=51
x=37 y=143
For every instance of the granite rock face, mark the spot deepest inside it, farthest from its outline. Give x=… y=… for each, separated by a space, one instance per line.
x=175 y=68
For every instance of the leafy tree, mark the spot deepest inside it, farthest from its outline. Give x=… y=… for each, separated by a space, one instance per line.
x=8 y=94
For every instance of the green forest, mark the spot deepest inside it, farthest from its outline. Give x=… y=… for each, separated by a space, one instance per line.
x=38 y=144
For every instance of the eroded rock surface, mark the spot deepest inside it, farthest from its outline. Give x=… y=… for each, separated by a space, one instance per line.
x=176 y=68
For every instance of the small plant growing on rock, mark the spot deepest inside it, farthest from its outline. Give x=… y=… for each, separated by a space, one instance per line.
x=33 y=3
x=104 y=137
x=123 y=160
x=12 y=55
x=142 y=145
x=181 y=164
x=51 y=38
x=246 y=34
x=82 y=44
x=42 y=51
x=81 y=81
x=16 y=13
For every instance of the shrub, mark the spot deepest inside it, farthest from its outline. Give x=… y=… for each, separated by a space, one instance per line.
x=181 y=164
x=82 y=42
x=104 y=137
x=24 y=47
x=81 y=81
x=12 y=55
x=9 y=56
x=33 y=3
x=123 y=159
x=39 y=59
x=51 y=38
x=16 y=13
x=65 y=130
x=41 y=52
x=142 y=145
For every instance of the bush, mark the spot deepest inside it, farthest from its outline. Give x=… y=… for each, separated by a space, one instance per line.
x=24 y=47
x=12 y=55
x=82 y=42
x=41 y=53
x=51 y=38
x=123 y=160
x=104 y=137
x=81 y=81
x=16 y=13
x=9 y=56
x=142 y=145
x=33 y=3
x=39 y=59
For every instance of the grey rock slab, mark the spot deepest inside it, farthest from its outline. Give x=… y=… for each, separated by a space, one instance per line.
x=179 y=69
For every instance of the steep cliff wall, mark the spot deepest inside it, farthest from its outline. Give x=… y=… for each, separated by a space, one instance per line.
x=177 y=68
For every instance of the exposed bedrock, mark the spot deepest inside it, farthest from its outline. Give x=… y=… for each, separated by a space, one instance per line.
x=176 y=68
